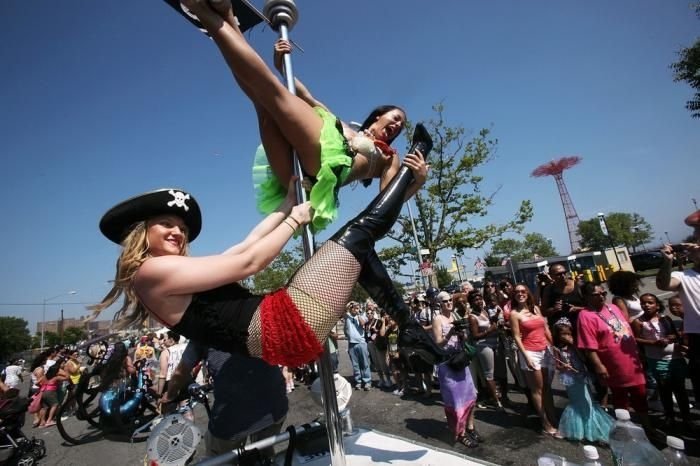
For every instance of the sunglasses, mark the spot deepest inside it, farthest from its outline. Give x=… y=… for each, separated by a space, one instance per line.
x=520 y=292
x=604 y=293
x=558 y=274
x=446 y=300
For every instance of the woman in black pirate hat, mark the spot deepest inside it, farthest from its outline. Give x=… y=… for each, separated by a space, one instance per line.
x=200 y=298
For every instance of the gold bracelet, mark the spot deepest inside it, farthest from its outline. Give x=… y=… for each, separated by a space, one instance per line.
x=294 y=230
x=293 y=220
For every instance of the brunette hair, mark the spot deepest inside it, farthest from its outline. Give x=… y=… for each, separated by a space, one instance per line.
x=622 y=282
x=530 y=303
x=371 y=118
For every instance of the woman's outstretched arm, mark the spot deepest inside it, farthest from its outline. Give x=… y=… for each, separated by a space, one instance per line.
x=269 y=223
x=173 y=275
x=416 y=162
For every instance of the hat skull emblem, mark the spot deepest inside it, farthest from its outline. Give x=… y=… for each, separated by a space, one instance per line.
x=179 y=199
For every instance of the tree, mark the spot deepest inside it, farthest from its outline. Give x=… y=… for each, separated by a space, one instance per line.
x=278 y=273
x=451 y=197
x=687 y=69
x=630 y=230
x=50 y=339
x=532 y=247
x=14 y=336
x=444 y=277
x=73 y=335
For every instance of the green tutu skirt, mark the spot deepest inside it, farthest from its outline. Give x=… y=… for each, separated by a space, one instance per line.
x=335 y=169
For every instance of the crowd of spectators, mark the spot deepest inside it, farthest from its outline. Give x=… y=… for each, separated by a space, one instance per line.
x=608 y=346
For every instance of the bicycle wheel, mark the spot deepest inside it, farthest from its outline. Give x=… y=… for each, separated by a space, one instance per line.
x=73 y=428
x=88 y=399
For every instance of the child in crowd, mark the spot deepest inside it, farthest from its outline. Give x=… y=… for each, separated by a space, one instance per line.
x=396 y=364
x=658 y=336
x=582 y=418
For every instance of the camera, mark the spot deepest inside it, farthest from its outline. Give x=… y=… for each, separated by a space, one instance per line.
x=678 y=248
x=461 y=324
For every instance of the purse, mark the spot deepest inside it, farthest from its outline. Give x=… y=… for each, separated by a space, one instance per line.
x=462 y=358
x=35 y=404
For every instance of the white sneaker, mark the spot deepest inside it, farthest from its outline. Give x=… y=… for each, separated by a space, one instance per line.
x=398 y=392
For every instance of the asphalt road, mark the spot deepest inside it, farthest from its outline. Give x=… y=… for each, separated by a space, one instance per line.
x=512 y=438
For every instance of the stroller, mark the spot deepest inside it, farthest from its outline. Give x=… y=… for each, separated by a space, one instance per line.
x=15 y=447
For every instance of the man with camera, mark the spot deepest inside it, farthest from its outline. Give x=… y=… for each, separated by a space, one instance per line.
x=562 y=297
x=687 y=284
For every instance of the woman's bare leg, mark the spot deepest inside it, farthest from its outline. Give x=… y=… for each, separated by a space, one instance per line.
x=297 y=121
x=534 y=381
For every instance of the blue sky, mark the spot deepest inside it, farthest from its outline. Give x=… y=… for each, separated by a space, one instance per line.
x=101 y=100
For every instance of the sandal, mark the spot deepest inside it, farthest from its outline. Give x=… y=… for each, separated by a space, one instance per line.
x=468 y=441
x=554 y=434
x=474 y=435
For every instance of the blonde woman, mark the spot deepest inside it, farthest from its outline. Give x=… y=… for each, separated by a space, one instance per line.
x=200 y=297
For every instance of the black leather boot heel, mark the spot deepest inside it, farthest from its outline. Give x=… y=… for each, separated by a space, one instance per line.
x=378 y=285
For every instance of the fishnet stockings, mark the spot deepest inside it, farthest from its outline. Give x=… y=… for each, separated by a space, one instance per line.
x=320 y=289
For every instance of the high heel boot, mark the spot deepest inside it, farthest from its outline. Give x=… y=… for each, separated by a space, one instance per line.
x=378 y=285
x=361 y=233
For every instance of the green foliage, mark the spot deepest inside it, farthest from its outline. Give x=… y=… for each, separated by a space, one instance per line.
x=73 y=335
x=358 y=294
x=532 y=247
x=277 y=274
x=14 y=336
x=50 y=339
x=687 y=69
x=444 y=277
x=626 y=229
x=451 y=197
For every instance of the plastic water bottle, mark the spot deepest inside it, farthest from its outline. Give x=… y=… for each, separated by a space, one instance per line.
x=591 y=454
x=630 y=445
x=675 y=455
x=549 y=459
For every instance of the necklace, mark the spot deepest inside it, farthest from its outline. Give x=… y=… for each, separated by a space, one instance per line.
x=618 y=329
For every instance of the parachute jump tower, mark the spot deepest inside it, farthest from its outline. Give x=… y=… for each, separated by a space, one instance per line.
x=556 y=169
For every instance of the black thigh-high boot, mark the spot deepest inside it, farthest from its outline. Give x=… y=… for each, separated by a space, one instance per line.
x=379 y=286
x=361 y=233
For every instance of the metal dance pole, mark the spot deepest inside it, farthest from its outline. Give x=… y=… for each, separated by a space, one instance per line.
x=283 y=15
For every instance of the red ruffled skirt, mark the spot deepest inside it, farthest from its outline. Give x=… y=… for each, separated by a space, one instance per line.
x=287 y=340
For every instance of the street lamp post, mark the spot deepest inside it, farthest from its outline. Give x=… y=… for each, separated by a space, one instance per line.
x=604 y=229
x=43 y=313
x=634 y=239
x=459 y=274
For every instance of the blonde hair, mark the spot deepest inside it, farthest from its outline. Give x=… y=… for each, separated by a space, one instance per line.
x=135 y=251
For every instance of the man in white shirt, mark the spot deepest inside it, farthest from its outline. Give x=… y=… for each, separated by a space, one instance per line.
x=687 y=284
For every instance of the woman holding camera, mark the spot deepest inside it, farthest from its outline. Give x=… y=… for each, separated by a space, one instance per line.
x=456 y=386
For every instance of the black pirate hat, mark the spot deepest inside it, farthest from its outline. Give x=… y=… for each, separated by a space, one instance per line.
x=117 y=222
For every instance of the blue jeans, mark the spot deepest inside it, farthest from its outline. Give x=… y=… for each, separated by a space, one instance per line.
x=359 y=357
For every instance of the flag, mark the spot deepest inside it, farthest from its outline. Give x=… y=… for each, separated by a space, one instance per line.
x=479 y=264
x=505 y=261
